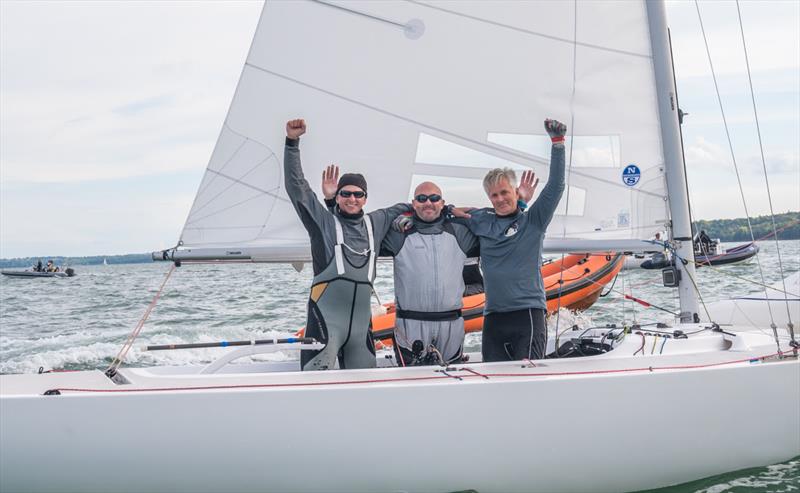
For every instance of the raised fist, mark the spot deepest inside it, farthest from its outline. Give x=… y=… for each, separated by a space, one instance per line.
x=295 y=128
x=555 y=129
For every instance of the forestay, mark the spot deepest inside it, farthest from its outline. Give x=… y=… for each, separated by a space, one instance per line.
x=407 y=91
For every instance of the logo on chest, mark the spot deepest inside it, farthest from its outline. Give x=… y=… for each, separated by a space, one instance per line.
x=512 y=229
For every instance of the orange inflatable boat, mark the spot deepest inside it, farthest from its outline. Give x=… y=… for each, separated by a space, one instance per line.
x=573 y=282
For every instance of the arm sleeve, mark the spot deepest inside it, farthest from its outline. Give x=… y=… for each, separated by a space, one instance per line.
x=392 y=243
x=468 y=242
x=382 y=218
x=542 y=210
x=304 y=200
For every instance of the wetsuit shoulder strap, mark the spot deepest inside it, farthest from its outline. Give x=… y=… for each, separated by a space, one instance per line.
x=371 y=238
x=337 y=249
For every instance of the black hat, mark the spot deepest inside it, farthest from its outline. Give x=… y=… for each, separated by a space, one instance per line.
x=356 y=179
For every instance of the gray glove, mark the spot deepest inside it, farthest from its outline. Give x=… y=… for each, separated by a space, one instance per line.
x=402 y=223
x=556 y=130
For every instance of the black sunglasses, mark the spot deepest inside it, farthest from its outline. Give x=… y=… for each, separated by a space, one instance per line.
x=357 y=194
x=435 y=197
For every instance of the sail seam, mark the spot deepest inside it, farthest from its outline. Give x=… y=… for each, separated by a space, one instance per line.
x=532 y=33
x=233 y=182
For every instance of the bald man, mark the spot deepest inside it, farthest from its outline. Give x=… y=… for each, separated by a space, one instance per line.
x=428 y=283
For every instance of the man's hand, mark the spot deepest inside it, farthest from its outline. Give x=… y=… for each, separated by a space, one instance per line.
x=295 y=128
x=527 y=186
x=330 y=181
x=556 y=130
x=403 y=222
x=462 y=212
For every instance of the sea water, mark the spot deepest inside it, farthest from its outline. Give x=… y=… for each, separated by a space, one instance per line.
x=81 y=322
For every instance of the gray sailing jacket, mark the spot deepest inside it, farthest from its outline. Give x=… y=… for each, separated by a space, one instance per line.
x=319 y=222
x=511 y=246
x=428 y=264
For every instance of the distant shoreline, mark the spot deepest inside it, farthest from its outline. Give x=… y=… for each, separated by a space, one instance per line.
x=727 y=230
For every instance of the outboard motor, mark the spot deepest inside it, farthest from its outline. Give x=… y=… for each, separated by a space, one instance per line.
x=69 y=271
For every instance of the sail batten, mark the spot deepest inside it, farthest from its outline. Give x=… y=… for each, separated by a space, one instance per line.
x=444 y=93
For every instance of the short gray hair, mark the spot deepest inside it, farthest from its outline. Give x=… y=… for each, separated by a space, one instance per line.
x=496 y=175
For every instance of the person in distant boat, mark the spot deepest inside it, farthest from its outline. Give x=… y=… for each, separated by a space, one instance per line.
x=704 y=240
x=344 y=249
x=50 y=266
x=38 y=267
x=511 y=245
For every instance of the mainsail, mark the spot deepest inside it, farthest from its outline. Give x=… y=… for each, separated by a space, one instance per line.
x=409 y=91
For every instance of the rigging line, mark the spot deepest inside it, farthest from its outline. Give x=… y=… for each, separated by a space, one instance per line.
x=727 y=273
x=733 y=159
x=683 y=149
x=506 y=152
x=231 y=184
x=363 y=14
x=112 y=369
x=528 y=31
x=569 y=165
x=764 y=166
x=694 y=283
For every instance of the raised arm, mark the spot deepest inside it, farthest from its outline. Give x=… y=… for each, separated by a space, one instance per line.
x=303 y=199
x=544 y=208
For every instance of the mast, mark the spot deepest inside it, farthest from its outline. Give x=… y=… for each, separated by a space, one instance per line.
x=673 y=157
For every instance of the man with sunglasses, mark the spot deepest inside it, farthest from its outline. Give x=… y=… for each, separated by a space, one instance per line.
x=428 y=285
x=344 y=248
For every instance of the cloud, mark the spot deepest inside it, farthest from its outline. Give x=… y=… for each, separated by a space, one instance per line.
x=106 y=91
x=710 y=156
x=770 y=30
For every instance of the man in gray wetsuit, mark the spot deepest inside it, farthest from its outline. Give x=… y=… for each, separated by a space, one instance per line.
x=428 y=284
x=344 y=245
x=511 y=244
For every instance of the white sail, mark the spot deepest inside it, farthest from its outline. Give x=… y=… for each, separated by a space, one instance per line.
x=411 y=91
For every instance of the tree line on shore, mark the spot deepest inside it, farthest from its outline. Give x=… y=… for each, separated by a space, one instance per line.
x=736 y=230
x=733 y=230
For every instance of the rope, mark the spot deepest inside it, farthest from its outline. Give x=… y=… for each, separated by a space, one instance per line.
x=742 y=278
x=569 y=166
x=112 y=369
x=766 y=178
x=735 y=166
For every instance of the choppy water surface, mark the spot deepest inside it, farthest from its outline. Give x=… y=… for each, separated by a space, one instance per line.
x=81 y=322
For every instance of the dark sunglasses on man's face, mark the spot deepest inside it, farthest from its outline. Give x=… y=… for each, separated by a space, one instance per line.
x=433 y=198
x=357 y=194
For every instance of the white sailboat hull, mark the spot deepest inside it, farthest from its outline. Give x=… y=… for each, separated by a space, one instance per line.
x=563 y=426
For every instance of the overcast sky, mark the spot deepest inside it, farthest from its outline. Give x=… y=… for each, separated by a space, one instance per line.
x=109 y=112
